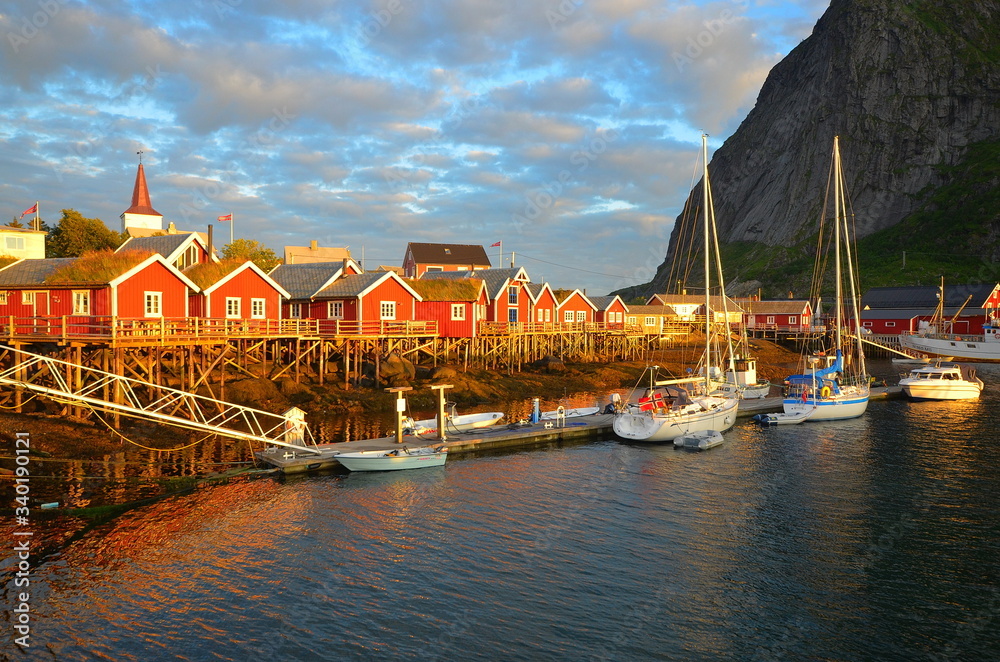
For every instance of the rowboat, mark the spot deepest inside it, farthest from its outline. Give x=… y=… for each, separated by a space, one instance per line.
x=453 y=423
x=569 y=413
x=393 y=460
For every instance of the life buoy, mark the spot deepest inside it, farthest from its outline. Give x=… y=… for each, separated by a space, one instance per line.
x=825 y=392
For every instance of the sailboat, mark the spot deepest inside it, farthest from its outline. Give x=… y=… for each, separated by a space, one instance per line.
x=834 y=384
x=675 y=407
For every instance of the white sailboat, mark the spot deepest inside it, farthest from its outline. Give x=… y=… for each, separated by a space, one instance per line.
x=677 y=407
x=835 y=385
x=938 y=339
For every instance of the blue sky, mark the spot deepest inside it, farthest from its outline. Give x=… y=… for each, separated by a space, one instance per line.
x=567 y=129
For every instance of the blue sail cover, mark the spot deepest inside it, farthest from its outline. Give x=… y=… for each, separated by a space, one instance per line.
x=823 y=377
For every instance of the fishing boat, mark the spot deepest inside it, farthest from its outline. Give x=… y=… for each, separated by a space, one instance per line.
x=834 y=383
x=453 y=422
x=938 y=339
x=942 y=381
x=394 y=460
x=674 y=407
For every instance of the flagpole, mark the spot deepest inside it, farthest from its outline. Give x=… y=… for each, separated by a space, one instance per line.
x=500 y=256
x=38 y=225
x=232 y=222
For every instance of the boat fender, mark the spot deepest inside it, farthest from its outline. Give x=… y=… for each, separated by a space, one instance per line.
x=825 y=392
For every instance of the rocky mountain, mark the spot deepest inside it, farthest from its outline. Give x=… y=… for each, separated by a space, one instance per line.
x=913 y=90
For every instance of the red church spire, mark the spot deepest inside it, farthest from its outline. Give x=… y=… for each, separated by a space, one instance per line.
x=140 y=197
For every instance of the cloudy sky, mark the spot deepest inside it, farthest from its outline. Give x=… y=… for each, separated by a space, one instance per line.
x=568 y=129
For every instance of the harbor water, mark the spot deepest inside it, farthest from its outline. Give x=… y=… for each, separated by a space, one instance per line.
x=870 y=539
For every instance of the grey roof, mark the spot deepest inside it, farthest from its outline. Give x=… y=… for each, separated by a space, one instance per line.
x=910 y=313
x=303 y=281
x=774 y=306
x=32 y=272
x=603 y=303
x=652 y=310
x=350 y=286
x=165 y=244
x=925 y=296
x=473 y=255
x=534 y=289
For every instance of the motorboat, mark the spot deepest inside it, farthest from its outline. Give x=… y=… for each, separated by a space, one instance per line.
x=942 y=381
x=453 y=422
x=701 y=440
x=395 y=459
x=783 y=418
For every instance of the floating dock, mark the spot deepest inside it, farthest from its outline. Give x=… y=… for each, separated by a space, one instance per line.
x=498 y=436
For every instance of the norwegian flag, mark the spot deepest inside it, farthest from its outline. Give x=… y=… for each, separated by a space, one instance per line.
x=30 y=210
x=227 y=217
x=496 y=245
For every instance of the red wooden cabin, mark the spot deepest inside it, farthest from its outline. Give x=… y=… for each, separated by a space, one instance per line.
x=421 y=258
x=231 y=289
x=610 y=311
x=304 y=281
x=456 y=305
x=574 y=307
x=543 y=303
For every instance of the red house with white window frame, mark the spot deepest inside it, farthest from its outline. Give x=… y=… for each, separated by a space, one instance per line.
x=421 y=258
x=574 y=307
x=543 y=304
x=456 y=305
x=783 y=315
x=610 y=311
x=304 y=281
x=366 y=298
x=73 y=291
x=506 y=289
x=235 y=290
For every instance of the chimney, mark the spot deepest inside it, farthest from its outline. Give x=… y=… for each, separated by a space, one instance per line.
x=314 y=245
x=171 y=228
x=790 y=295
x=209 y=242
x=343 y=266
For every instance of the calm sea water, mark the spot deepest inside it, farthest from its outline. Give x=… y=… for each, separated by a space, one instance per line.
x=870 y=539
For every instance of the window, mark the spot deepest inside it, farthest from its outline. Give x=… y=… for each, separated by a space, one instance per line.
x=28 y=298
x=619 y=316
x=792 y=319
x=335 y=310
x=257 y=308
x=541 y=315
x=568 y=316
x=512 y=295
x=770 y=319
x=81 y=303
x=889 y=324
x=458 y=311
x=447 y=251
x=435 y=268
x=15 y=243
x=3 y=298
x=295 y=310
x=631 y=321
x=233 y=306
x=388 y=310
x=154 y=304
x=188 y=257
x=650 y=321
x=512 y=314
x=866 y=324
x=581 y=316
x=548 y=314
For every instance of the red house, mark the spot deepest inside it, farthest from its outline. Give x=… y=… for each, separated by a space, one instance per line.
x=422 y=258
x=506 y=290
x=781 y=315
x=610 y=311
x=574 y=307
x=543 y=303
x=79 y=291
x=231 y=289
x=303 y=282
x=366 y=303
x=456 y=305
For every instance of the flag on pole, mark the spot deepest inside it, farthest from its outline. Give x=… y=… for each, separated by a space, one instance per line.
x=30 y=210
x=227 y=217
x=494 y=245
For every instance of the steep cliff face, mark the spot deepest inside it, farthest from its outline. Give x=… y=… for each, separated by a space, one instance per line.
x=908 y=85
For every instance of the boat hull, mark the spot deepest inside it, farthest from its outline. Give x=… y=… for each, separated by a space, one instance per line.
x=967 y=348
x=830 y=409
x=461 y=423
x=385 y=461
x=569 y=413
x=942 y=391
x=657 y=427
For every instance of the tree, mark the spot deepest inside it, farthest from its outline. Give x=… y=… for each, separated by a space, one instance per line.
x=16 y=223
x=250 y=249
x=76 y=234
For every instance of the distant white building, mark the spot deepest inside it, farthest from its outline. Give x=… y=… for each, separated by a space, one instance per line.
x=314 y=253
x=22 y=243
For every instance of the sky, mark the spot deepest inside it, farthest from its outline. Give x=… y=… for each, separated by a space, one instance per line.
x=568 y=130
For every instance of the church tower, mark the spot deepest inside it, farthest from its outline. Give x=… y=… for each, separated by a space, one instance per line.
x=141 y=214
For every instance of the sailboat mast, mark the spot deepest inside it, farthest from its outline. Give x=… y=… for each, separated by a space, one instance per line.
x=708 y=325
x=836 y=237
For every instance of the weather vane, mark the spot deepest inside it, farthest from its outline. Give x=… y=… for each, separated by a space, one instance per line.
x=140 y=156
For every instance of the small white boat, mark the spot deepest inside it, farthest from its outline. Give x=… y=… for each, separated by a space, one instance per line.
x=784 y=418
x=700 y=440
x=914 y=360
x=453 y=423
x=942 y=381
x=569 y=413
x=398 y=458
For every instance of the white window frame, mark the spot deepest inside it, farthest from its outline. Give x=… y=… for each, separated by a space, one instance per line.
x=568 y=316
x=335 y=310
x=81 y=302
x=458 y=312
x=28 y=297
x=15 y=243
x=793 y=319
x=3 y=298
x=429 y=268
x=889 y=325
x=234 y=308
x=649 y=321
x=581 y=316
x=153 y=304
x=512 y=294
x=295 y=311
x=258 y=308
x=548 y=314
x=770 y=319
x=540 y=315
x=512 y=315
x=867 y=324
x=631 y=321
x=387 y=310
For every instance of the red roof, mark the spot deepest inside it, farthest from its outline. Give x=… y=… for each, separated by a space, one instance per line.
x=140 y=197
